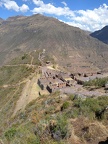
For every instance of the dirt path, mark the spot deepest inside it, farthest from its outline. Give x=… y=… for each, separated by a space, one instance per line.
x=29 y=93
x=28 y=65
x=32 y=58
x=14 y=85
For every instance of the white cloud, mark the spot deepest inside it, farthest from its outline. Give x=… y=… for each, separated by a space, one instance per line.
x=24 y=8
x=51 y=9
x=64 y=3
x=1 y=4
x=91 y=19
x=12 y=5
x=38 y=2
x=75 y=24
x=85 y=19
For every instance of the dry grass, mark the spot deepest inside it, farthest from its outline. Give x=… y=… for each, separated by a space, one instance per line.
x=32 y=110
x=90 y=132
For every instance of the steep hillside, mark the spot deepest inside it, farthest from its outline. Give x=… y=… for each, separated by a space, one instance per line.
x=69 y=46
x=1 y=19
x=31 y=116
x=101 y=35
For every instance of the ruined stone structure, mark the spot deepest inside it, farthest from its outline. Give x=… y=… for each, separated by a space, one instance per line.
x=82 y=79
x=53 y=80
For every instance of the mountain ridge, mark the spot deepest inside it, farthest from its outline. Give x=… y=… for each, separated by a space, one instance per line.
x=65 y=43
x=101 y=34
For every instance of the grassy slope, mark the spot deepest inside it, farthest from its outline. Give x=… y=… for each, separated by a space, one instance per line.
x=33 y=125
x=12 y=81
x=76 y=122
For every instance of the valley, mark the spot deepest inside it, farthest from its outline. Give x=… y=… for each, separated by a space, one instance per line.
x=29 y=106
x=53 y=83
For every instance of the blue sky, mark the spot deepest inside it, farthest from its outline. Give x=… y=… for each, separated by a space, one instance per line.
x=89 y=15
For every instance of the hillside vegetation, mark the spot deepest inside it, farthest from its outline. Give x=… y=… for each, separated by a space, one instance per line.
x=98 y=83
x=48 y=119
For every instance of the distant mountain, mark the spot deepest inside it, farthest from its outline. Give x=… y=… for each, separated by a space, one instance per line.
x=15 y=18
x=69 y=46
x=101 y=35
x=1 y=19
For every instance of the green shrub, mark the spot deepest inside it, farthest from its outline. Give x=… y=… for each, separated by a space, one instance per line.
x=71 y=97
x=24 y=56
x=91 y=103
x=62 y=125
x=73 y=113
x=98 y=82
x=65 y=105
x=103 y=101
x=87 y=107
x=10 y=133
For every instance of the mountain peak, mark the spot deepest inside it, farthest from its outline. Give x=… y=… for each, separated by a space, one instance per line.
x=105 y=28
x=101 y=35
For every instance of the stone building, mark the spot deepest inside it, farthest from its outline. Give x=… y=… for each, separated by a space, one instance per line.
x=56 y=86
x=42 y=83
x=54 y=80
